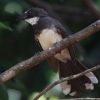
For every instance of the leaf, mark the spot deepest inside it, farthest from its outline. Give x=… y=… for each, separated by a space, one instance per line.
x=33 y=95
x=97 y=4
x=3 y=92
x=4 y=26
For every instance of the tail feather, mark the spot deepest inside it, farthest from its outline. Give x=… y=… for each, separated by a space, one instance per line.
x=90 y=75
x=78 y=82
x=65 y=71
x=76 y=86
x=83 y=80
x=75 y=82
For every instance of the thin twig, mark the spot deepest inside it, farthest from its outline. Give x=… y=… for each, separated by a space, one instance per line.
x=65 y=79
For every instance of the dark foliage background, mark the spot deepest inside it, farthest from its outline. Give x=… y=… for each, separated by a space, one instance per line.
x=17 y=44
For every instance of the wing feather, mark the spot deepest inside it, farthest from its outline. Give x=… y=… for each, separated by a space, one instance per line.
x=63 y=32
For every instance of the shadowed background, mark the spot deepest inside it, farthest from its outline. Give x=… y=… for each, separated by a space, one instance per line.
x=17 y=44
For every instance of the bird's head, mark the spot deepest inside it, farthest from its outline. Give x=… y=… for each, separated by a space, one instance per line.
x=33 y=15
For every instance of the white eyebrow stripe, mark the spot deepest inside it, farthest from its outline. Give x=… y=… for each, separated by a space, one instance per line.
x=27 y=11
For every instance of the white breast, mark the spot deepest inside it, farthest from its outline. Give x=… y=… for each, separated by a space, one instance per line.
x=48 y=37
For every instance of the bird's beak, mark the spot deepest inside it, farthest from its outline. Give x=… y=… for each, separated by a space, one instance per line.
x=22 y=17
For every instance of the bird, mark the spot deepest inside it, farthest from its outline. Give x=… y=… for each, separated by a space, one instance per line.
x=47 y=32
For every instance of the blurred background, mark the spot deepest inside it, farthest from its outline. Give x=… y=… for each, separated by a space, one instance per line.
x=17 y=44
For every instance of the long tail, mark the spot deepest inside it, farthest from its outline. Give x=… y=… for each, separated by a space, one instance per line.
x=76 y=86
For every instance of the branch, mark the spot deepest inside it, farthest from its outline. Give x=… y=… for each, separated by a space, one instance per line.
x=36 y=59
x=90 y=4
x=66 y=79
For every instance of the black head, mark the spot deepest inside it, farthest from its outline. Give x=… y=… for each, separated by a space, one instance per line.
x=34 y=12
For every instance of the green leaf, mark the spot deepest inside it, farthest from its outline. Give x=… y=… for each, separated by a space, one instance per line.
x=4 y=26
x=97 y=4
x=3 y=92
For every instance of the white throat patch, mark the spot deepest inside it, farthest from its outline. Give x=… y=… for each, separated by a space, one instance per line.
x=33 y=20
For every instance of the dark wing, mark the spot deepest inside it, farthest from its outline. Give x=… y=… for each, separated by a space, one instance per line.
x=53 y=63
x=51 y=60
x=63 y=32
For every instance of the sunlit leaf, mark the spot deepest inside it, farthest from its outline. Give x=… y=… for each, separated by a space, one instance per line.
x=13 y=7
x=53 y=98
x=97 y=4
x=33 y=95
x=4 y=26
x=3 y=93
